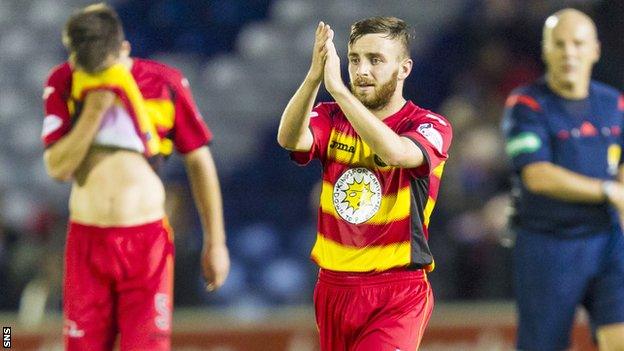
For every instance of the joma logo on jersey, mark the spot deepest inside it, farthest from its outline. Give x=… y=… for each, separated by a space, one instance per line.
x=340 y=146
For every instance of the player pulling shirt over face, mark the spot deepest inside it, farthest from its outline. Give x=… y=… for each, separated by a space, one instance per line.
x=106 y=114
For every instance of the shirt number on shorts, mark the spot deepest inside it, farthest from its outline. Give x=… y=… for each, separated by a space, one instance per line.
x=161 y=303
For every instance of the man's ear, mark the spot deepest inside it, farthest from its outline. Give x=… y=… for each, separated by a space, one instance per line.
x=405 y=68
x=598 y=51
x=126 y=48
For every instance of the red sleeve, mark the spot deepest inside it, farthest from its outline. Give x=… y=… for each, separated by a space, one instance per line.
x=57 y=121
x=190 y=131
x=432 y=133
x=320 y=126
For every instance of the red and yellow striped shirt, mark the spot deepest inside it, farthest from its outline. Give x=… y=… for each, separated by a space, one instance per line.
x=373 y=217
x=163 y=107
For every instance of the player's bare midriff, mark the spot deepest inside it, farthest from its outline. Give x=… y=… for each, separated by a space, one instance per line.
x=115 y=187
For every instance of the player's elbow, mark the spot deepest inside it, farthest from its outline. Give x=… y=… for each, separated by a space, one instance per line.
x=535 y=179
x=54 y=169
x=58 y=174
x=283 y=141
x=290 y=143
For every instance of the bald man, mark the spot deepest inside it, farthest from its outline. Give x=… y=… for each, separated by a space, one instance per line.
x=564 y=139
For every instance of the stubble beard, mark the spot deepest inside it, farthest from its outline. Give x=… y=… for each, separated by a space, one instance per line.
x=380 y=97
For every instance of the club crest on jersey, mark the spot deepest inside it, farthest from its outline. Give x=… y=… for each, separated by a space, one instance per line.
x=357 y=195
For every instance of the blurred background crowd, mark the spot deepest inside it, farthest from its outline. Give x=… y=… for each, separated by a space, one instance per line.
x=244 y=59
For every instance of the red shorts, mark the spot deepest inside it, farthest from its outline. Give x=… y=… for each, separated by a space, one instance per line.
x=386 y=311
x=118 y=280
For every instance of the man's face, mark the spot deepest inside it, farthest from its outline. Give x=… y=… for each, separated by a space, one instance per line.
x=374 y=63
x=570 y=49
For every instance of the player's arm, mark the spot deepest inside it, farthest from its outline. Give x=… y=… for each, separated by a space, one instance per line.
x=293 y=133
x=65 y=156
x=393 y=149
x=204 y=181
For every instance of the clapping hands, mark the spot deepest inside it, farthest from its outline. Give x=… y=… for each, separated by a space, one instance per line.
x=325 y=61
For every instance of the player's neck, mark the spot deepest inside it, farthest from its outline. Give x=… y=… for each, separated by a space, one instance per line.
x=395 y=104
x=126 y=61
x=573 y=91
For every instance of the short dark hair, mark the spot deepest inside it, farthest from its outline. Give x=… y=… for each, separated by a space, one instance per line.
x=92 y=34
x=394 y=28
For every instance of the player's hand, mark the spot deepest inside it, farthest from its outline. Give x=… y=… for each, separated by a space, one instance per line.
x=215 y=261
x=333 y=79
x=318 y=53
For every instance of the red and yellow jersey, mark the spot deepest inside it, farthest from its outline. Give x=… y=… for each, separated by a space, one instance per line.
x=157 y=98
x=373 y=217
